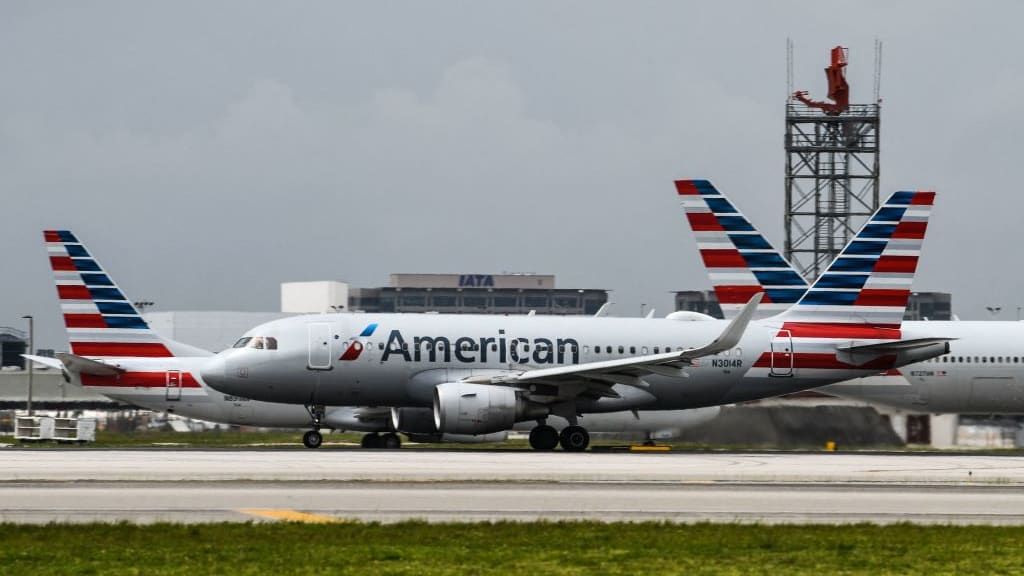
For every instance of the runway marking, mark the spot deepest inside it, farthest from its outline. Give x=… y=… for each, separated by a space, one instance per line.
x=289 y=515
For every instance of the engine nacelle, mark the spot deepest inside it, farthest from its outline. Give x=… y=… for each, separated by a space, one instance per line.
x=413 y=420
x=464 y=408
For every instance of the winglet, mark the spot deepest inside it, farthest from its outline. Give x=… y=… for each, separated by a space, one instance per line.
x=732 y=334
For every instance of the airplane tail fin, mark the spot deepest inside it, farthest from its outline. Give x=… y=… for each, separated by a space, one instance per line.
x=739 y=259
x=869 y=282
x=101 y=322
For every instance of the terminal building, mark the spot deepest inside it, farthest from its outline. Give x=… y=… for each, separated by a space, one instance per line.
x=448 y=294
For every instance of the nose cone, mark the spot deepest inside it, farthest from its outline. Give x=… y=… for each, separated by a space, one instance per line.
x=214 y=374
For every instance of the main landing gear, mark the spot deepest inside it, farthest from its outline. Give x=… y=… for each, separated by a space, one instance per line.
x=389 y=441
x=572 y=438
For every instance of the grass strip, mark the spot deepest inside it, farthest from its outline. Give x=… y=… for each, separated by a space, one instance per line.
x=562 y=548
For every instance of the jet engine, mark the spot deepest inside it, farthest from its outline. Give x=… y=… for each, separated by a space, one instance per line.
x=413 y=420
x=464 y=408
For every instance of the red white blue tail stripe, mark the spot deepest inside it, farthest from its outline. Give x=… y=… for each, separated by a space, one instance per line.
x=739 y=259
x=869 y=282
x=100 y=320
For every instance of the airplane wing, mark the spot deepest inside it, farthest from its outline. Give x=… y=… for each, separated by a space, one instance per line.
x=630 y=371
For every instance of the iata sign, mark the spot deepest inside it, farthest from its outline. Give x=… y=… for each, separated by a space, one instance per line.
x=476 y=281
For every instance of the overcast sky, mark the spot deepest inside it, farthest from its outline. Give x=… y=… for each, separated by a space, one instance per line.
x=207 y=151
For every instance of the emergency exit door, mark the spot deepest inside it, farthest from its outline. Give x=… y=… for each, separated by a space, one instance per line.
x=319 y=346
x=782 y=354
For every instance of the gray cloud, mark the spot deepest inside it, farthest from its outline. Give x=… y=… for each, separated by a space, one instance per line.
x=208 y=152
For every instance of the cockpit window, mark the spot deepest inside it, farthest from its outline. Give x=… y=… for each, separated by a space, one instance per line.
x=257 y=343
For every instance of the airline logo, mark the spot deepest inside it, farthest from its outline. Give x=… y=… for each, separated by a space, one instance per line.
x=355 y=347
x=740 y=261
x=100 y=320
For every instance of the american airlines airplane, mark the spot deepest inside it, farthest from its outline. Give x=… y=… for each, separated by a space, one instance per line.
x=982 y=372
x=176 y=391
x=482 y=374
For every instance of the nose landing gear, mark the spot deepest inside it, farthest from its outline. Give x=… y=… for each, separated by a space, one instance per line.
x=313 y=438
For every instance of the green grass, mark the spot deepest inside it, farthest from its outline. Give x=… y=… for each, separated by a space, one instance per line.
x=508 y=548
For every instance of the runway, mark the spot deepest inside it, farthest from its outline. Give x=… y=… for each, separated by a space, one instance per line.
x=339 y=485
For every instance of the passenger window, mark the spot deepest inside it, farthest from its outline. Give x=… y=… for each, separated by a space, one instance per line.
x=622 y=349
x=739 y=352
x=632 y=349
x=656 y=349
x=608 y=349
x=643 y=350
x=597 y=349
x=380 y=346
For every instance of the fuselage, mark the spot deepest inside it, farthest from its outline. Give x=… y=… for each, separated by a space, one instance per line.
x=397 y=359
x=189 y=396
x=982 y=373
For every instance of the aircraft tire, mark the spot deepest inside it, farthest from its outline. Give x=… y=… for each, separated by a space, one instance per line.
x=543 y=437
x=371 y=440
x=390 y=441
x=312 y=439
x=574 y=439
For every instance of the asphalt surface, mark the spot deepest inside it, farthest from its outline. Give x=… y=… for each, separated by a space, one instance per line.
x=308 y=486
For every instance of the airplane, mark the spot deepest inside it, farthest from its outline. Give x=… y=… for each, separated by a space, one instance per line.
x=169 y=383
x=481 y=374
x=982 y=372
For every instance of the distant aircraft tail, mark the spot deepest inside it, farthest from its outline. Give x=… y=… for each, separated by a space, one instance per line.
x=739 y=259
x=869 y=282
x=101 y=322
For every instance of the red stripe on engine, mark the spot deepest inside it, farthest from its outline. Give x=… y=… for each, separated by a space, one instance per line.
x=910 y=230
x=686 y=188
x=74 y=292
x=897 y=264
x=703 y=222
x=84 y=321
x=62 y=264
x=923 y=199
x=138 y=380
x=121 y=349
x=723 y=258
x=824 y=361
x=843 y=331
x=882 y=297
x=738 y=294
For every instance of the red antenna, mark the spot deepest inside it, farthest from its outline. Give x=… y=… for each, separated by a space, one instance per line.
x=838 y=89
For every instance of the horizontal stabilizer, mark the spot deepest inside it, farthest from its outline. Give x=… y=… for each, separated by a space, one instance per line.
x=908 y=351
x=82 y=365
x=897 y=346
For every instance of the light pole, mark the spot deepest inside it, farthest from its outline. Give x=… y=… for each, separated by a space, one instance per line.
x=31 y=348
